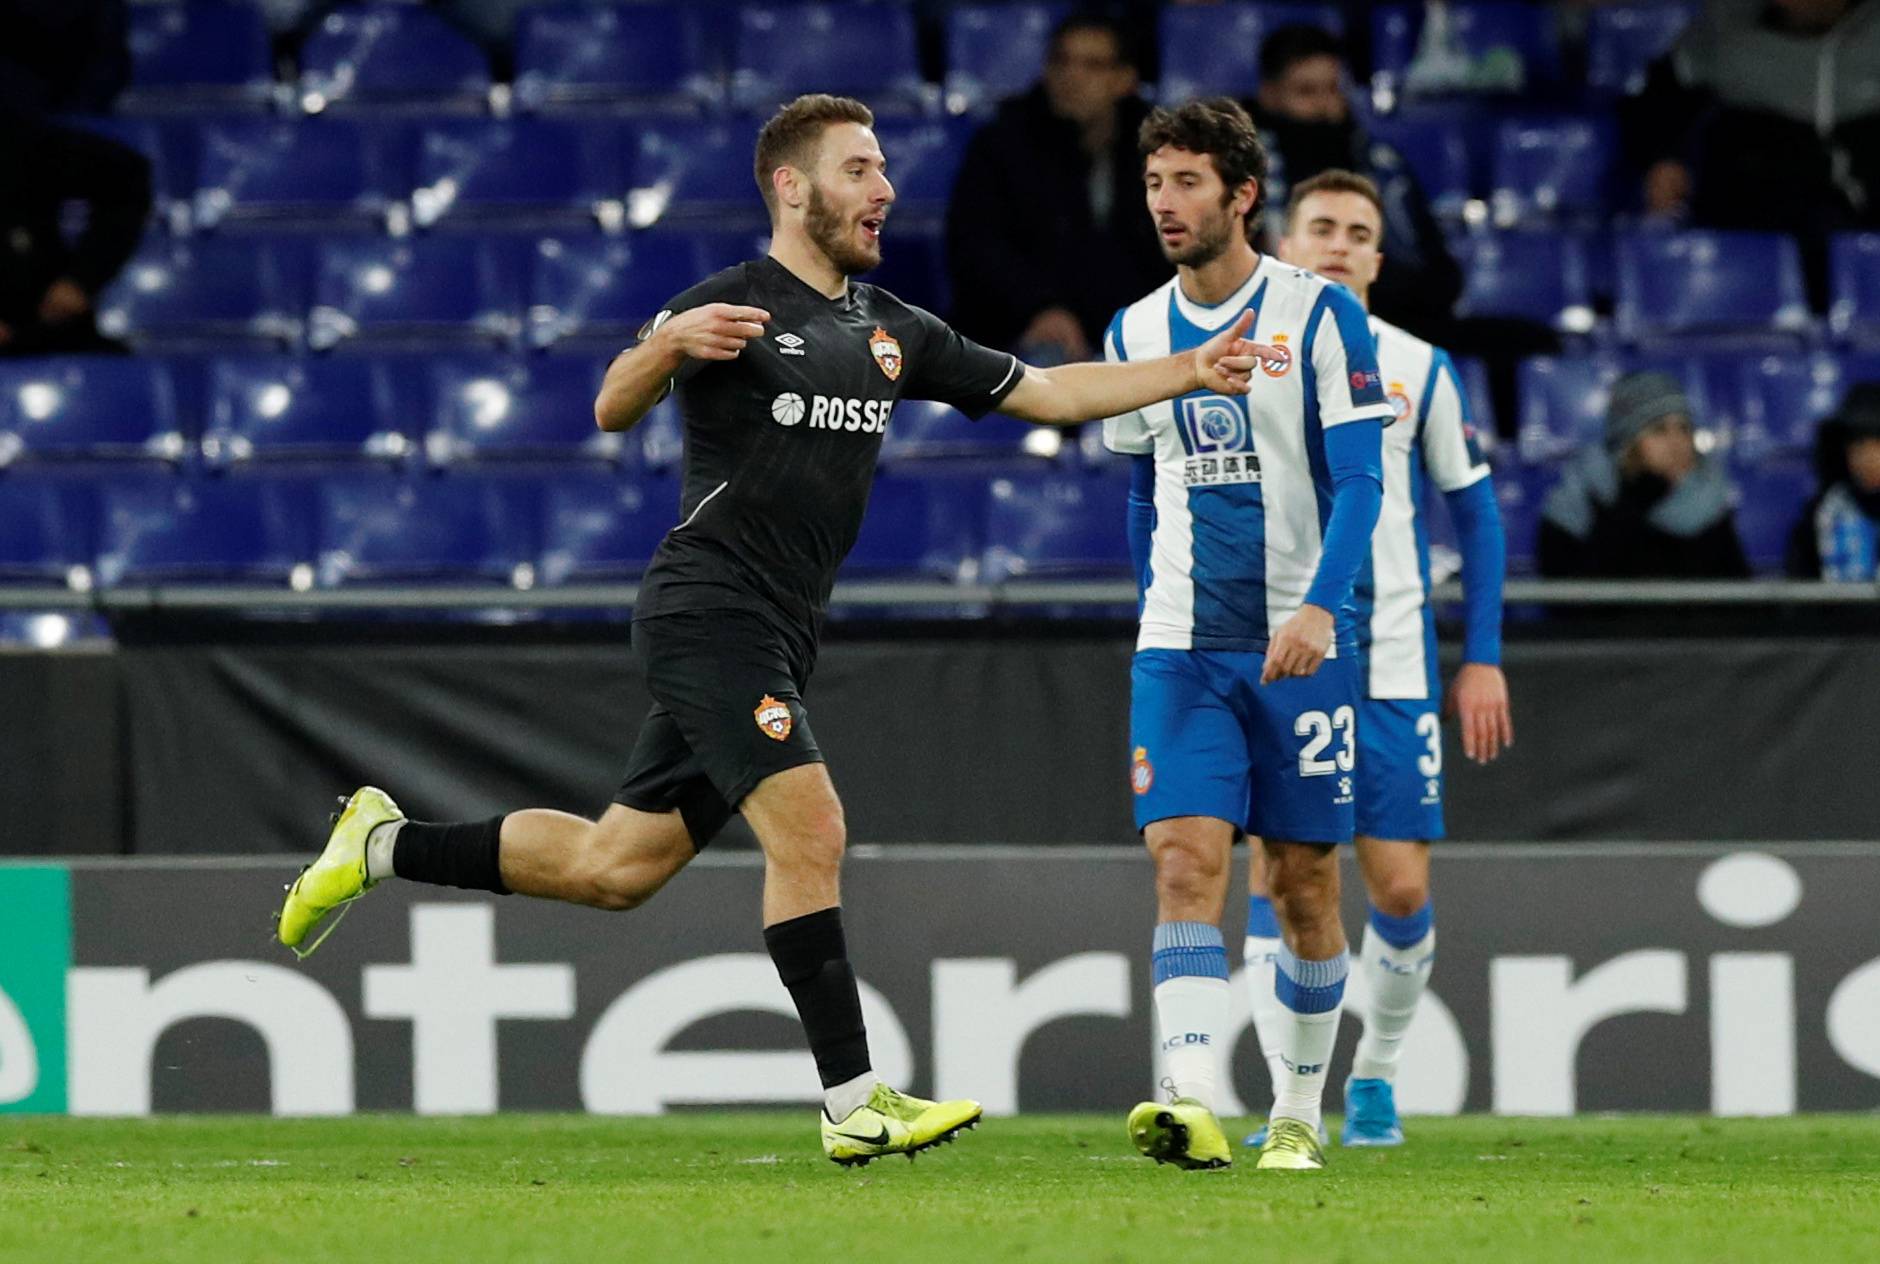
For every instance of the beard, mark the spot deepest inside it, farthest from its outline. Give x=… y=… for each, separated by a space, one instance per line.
x=834 y=235
x=1206 y=244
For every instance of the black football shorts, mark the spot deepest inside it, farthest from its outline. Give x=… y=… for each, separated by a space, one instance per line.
x=727 y=713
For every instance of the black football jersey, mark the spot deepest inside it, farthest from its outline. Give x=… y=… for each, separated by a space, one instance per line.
x=781 y=443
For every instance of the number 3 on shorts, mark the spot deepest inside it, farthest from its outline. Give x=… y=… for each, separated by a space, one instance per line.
x=1318 y=728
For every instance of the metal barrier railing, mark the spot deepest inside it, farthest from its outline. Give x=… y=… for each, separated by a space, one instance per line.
x=1012 y=595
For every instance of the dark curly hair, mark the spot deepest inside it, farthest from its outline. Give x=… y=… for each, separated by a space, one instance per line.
x=1219 y=128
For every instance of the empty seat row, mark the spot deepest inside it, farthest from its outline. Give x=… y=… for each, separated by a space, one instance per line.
x=250 y=411
x=232 y=172
x=689 y=56
x=381 y=527
x=589 y=292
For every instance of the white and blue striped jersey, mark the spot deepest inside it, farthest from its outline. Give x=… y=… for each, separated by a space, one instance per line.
x=1430 y=439
x=1242 y=487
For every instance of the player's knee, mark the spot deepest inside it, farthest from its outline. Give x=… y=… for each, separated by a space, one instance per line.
x=623 y=871
x=1400 y=895
x=817 y=842
x=1188 y=868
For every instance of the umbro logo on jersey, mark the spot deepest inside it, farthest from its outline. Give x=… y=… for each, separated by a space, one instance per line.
x=790 y=344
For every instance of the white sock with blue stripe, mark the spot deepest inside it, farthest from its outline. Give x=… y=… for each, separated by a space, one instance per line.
x=1396 y=959
x=1190 y=972
x=1313 y=995
x=1258 y=955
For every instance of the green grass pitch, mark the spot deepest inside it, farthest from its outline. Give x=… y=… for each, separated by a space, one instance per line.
x=734 y=1187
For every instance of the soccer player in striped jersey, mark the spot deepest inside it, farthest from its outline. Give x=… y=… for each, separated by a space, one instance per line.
x=1256 y=517
x=1335 y=227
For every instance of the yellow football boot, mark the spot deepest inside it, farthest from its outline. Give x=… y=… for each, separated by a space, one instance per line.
x=1292 y=1145
x=1182 y=1132
x=895 y=1123
x=338 y=877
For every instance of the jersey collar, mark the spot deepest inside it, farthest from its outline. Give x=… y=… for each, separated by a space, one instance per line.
x=1221 y=314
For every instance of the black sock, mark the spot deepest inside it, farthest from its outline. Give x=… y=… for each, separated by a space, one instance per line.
x=451 y=854
x=813 y=961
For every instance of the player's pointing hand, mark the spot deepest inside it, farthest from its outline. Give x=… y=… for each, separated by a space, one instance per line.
x=1222 y=364
x=716 y=331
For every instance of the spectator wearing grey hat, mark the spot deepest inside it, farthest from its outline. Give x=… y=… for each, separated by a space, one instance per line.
x=1838 y=536
x=1646 y=504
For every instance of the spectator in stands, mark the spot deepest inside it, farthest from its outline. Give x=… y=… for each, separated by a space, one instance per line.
x=1046 y=231
x=47 y=284
x=1838 y=536
x=1767 y=116
x=1645 y=504
x=63 y=56
x=1308 y=126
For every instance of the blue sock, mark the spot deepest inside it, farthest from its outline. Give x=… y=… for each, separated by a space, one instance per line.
x=1261 y=924
x=1314 y=992
x=1190 y=971
x=1402 y=932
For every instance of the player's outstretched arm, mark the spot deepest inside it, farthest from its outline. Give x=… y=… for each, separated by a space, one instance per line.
x=1072 y=394
x=640 y=377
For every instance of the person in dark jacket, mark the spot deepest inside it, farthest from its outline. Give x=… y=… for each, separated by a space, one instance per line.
x=48 y=284
x=1309 y=127
x=1646 y=504
x=63 y=56
x=1047 y=234
x=1838 y=537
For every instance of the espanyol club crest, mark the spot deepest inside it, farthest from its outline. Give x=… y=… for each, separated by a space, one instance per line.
x=1141 y=771
x=1275 y=357
x=887 y=353
x=1399 y=404
x=774 y=718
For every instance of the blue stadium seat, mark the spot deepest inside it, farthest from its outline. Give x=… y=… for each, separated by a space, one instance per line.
x=1438 y=143
x=1622 y=41
x=923 y=160
x=861 y=50
x=1482 y=46
x=266 y=410
x=202 y=293
x=695 y=170
x=426 y=292
x=648 y=56
x=330 y=173
x=925 y=430
x=1555 y=169
x=600 y=528
x=200 y=530
x=42 y=531
x=1784 y=398
x=1521 y=491
x=518 y=410
x=389 y=55
x=80 y=408
x=1771 y=493
x=913 y=265
x=661 y=435
x=1854 y=312
x=463 y=528
x=1712 y=285
x=995 y=51
x=1051 y=525
x=596 y=292
x=1535 y=276
x=196 y=53
x=1215 y=49
x=525 y=173
x=921 y=524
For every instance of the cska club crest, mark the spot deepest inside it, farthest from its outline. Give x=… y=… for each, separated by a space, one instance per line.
x=773 y=718
x=887 y=353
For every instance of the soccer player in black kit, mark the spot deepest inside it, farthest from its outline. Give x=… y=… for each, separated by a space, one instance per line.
x=787 y=374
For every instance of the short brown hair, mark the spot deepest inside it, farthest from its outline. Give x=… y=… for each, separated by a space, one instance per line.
x=1336 y=180
x=791 y=136
x=1219 y=128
